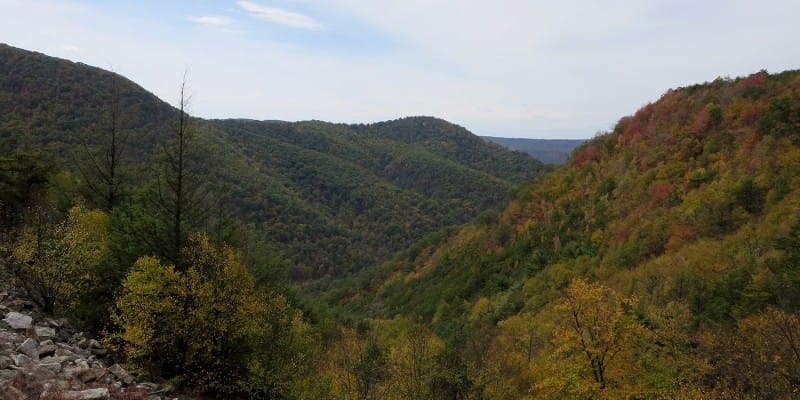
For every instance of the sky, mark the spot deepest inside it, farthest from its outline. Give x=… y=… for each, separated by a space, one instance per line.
x=513 y=68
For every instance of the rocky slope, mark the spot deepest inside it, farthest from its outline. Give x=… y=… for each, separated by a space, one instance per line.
x=45 y=358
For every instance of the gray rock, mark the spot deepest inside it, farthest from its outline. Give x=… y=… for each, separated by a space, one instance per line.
x=98 y=352
x=21 y=360
x=88 y=394
x=92 y=375
x=53 y=360
x=44 y=332
x=8 y=374
x=5 y=362
x=121 y=374
x=30 y=348
x=18 y=321
x=73 y=372
x=47 y=350
x=53 y=367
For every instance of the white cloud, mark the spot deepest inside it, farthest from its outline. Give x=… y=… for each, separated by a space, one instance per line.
x=70 y=48
x=213 y=21
x=280 y=16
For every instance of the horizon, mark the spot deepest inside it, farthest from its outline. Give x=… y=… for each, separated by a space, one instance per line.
x=565 y=70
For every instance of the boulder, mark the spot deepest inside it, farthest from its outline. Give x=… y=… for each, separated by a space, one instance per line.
x=30 y=348
x=54 y=367
x=121 y=374
x=44 y=332
x=21 y=360
x=5 y=362
x=18 y=320
x=92 y=375
x=88 y=394
x=47 y=350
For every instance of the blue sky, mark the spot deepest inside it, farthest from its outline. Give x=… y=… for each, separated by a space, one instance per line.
x=515 y=68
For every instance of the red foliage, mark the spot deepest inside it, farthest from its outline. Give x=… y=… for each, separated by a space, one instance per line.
x=700 y=123
x=755 y=80
x=622 y=235
x=587 y=154
x=660 y=192
x=640 y=125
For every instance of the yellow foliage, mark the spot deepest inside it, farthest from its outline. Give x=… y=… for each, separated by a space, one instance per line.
x=54 y=262
x=209 y=325
x=593 y=346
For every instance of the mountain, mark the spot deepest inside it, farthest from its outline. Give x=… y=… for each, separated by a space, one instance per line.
x=548 y=151
x=661 y=261
x=335 y=198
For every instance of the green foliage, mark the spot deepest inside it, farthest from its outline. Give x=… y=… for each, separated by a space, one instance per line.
x=336 y=198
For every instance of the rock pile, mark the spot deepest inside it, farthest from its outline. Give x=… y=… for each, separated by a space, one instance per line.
x=42 y=358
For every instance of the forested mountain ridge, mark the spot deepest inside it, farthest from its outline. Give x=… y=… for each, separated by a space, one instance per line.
x=660 y=262
x=335 y=198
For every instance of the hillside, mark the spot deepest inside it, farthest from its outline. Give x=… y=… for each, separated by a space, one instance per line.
x=660 y=262
x=334 y=198
x=548 y=151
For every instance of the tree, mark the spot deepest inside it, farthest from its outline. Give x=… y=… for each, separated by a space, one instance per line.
x=23 y=178
x=594 y=342
x=53 y=262
x=414 y=364
x=162 y=216
x=209 y=325
x=759 y=360
x=178 y=187
x=104 y=177
x=358 y=365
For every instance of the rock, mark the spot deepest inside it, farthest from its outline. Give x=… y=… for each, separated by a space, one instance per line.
x=19 y=305
x=47 y=350
x=5 y=362
x=88 y=394
x=54 y=367
x=55 y=323
x=30 y=348
x=62 y=352
x=8 y=374
x=98 y=352
x=21 y=360
x=18 y=321
x=44 y=332
x=92 y=375
x=121 y=374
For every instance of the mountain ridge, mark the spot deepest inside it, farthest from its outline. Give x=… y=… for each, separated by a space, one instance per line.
x=679 y=224
x=439 y=173
x=548 y=151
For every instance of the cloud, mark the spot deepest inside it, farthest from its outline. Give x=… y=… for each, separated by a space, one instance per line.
x=212 y=21
x=70 y=48
x=280 y=16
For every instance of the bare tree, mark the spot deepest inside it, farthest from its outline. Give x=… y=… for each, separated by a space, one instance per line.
x=180 y=193
x=104 y=177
